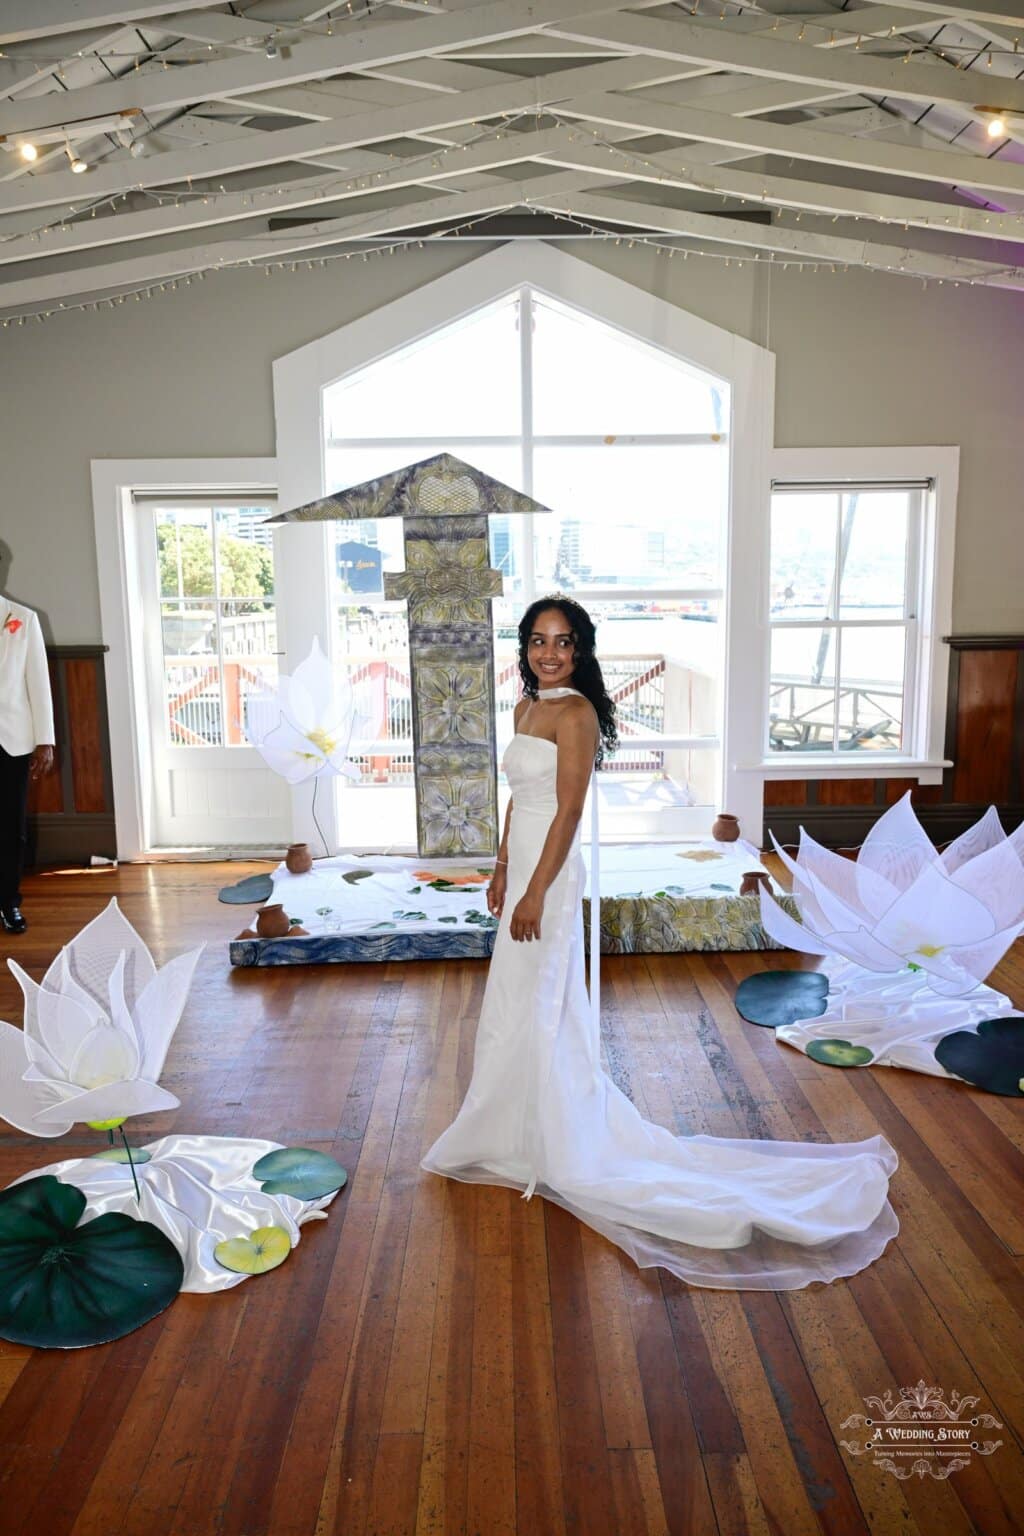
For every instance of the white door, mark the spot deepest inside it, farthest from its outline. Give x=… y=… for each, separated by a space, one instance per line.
x=207 y=580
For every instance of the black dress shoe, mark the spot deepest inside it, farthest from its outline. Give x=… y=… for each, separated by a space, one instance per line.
x=12 y=919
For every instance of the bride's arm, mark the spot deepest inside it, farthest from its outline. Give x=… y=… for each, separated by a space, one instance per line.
x=499 y=880
x=576 y=740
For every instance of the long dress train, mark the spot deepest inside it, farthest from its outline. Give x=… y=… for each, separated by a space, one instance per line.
x=541 y=1113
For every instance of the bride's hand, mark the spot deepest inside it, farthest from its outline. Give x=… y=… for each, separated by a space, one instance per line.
x=525 y=922
x=496 y=891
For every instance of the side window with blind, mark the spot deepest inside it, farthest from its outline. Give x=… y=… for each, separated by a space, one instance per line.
x=844 y=609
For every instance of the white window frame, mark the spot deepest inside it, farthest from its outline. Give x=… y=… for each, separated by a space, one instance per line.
x=927 y=673
x=301 y=376
x=115 y=482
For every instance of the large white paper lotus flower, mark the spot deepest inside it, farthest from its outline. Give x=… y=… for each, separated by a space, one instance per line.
x=952 y=915
x=312 y=721
x=96 y=1031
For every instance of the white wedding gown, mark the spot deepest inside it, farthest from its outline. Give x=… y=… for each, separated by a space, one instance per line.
x=541 y=1112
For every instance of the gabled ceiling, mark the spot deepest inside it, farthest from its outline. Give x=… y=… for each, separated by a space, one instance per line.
x=212 y=136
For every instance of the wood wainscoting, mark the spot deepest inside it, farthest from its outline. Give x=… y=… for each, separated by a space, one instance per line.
x=984 y=741
x=71 y=809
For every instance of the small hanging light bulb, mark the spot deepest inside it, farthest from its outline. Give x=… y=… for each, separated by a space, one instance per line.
x=997 y=127
x=28 y=151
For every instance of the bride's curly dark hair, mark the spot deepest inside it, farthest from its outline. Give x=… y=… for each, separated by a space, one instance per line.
x=586 y=676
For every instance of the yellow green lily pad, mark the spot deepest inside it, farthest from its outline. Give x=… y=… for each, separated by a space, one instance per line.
x=120 y=1155
x=839 y=1053
x=264 y=1249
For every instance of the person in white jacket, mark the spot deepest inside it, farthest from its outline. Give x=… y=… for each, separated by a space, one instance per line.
x=26 y=743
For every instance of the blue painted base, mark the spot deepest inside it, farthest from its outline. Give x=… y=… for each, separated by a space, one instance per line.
x=331 y=948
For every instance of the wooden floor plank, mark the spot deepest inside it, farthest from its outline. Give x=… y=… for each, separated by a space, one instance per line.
x=445 y=1359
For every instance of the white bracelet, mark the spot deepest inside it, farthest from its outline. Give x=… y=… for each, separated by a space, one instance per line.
x=501 y=861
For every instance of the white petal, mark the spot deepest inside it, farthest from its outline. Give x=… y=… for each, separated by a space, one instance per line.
x=120 y=1017
x=996 y=878
x=834 y=912
x=159 y=1009
x=864 y=949
x=105 y=1056
x=932 y=914
x=897 y=846
x=977 y=960
x=784 y=929
x=984 y=834
x=114 y=1101
x=22 y=1099
x=34 y=1045
x=861 y=889
x=92 y=955
x=64 y=1026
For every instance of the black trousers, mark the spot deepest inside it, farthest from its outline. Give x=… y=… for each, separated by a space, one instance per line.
x=13 y=824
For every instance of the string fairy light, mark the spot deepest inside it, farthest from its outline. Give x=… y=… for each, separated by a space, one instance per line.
x=661 y=244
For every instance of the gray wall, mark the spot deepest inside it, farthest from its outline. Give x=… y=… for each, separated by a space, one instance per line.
x=862 y=359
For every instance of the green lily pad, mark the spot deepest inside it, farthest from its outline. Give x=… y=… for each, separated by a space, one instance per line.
x=839 y=1053
x=992 y=1059
x=119 y=1155
x=264 y=1249
x=774 y=998
x=353 y=876
x=65 y=1286
x=248 y=892
x=300 y=1172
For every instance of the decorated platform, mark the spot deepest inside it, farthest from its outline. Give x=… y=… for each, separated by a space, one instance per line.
x=656 y=898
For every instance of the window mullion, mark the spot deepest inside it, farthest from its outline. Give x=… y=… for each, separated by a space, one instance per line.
x=526 y=394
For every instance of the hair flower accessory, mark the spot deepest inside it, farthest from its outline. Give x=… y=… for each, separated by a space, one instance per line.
x=12 y=625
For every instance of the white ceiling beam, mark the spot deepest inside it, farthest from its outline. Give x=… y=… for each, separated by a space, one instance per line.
x=380 y=172
x=154 y=267
x=308 y=59
x=800 y=142
x=675 y=168
x=712 y=43
x=1007 y=13
x=24 y=19
x=311 y=139
x=781 y=242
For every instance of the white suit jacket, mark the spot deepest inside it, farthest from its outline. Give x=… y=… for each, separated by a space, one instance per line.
x=26 y=708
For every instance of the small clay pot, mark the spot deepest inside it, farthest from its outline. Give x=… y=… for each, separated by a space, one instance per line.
x=247 y=933
x=272 y=922
x=726 y=828
x=752 y=880
x=298 y=932
x=298 y=860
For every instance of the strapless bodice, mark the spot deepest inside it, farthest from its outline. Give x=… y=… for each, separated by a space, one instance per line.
x=529 y=765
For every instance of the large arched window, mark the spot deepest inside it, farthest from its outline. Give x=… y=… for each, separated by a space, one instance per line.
x=629 y=447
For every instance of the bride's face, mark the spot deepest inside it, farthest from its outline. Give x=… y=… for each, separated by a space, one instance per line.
x=550 y=650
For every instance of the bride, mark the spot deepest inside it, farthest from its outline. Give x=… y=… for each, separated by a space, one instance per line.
x=541 y=1113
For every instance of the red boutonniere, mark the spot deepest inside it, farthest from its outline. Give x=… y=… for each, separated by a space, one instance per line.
x=12 y=625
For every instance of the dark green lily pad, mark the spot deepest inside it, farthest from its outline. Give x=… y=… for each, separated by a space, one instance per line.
x=300 y=1172
x=248 y=892
x=353 y=876
x=992 y=1059
x=65 y=1286
x=119 y=1155
x=839 y=1053
x=774 y=998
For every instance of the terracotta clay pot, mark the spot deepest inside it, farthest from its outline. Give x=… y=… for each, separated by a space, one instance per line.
x=726 y=828
x=298 y=860
x=247 y=933
x=272 y=922
x=752 y=880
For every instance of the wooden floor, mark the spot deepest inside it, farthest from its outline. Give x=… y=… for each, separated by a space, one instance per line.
x=446 y=1358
